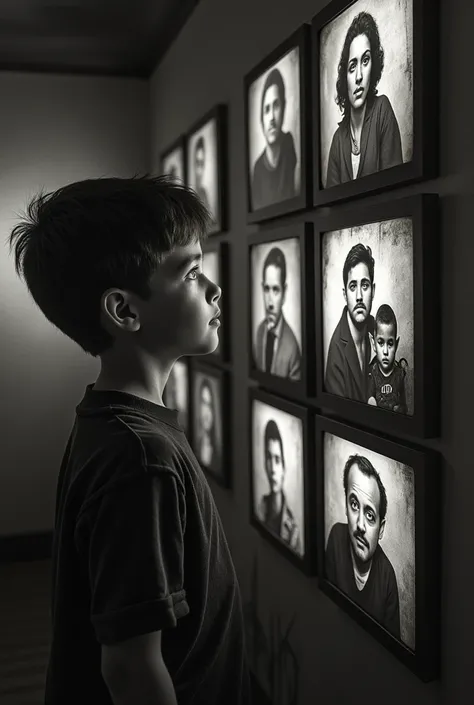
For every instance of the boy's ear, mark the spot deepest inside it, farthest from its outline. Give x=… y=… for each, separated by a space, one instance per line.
x=396 y=344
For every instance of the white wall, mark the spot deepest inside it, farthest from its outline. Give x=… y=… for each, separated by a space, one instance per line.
x=54 y=129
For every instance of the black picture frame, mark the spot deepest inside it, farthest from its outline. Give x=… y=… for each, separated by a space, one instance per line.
x=308 y=562
x=178 y=144
x=219 y=113
x=224 y=477
x=300 y=39
x=185 y=360
x=222 y=353
x=423 y=209
x=425 y=159
x=424 y=661
x=299 y=389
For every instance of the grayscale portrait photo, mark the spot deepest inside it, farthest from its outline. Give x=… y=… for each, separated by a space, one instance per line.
x=366 y=90
x=274 y=133
x=175 y=393
x=276 y=307
x=369 y=524
x=278 y=474
x=173 y=164
x=211 y=268
x=207 y=421
x=203 y=169
x=368 y=314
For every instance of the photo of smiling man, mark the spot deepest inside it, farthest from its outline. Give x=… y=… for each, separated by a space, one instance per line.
x=369 y=525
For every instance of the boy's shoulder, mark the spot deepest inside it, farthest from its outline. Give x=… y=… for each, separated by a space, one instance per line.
x=158 y=443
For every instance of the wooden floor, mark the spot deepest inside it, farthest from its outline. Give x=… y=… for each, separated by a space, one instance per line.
x=25 y=590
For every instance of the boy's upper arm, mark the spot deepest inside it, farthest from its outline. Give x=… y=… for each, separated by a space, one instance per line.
x=131 y=540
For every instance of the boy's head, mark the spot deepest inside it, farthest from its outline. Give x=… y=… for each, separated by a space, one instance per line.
x=385 y=338
x=105 y=258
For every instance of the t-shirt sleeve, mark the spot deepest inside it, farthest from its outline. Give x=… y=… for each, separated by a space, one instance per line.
x=132 y=543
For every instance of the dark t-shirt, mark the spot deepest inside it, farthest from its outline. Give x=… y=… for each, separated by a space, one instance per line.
x=274 y=184
x=139 y=546
x=379 y=597
x=387 y=391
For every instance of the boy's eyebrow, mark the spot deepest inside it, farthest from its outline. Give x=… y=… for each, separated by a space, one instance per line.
x=187 y=261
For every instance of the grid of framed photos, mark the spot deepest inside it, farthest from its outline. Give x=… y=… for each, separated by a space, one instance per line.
x=343 y=315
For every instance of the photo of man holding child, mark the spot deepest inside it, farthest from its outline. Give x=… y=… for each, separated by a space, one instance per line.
x=367 y=280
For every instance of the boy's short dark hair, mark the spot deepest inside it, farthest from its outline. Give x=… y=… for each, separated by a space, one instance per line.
x=357 y=254
x=96 y=234
x=386 y=315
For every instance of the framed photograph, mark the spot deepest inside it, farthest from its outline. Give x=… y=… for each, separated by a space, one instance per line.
x=206 y=162
x=281 y=306
x=375 y=96
x=378 y=315
x=215 y=265
x=172 y=160
x=176 y=392
x=211 y=436
x=278 y=130
x=379 y=539
x=281 y=458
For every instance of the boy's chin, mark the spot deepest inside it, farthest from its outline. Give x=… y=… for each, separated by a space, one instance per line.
x=206 y=347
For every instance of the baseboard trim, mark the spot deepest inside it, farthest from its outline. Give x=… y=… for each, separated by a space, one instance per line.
x=26 y=547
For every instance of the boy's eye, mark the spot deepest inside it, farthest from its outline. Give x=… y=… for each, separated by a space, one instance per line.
x=194 y=270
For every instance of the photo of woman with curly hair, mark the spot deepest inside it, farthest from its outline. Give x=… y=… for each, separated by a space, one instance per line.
x=366 y=77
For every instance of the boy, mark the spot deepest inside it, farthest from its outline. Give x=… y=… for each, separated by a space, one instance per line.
x=386 y=387
x=146 y=607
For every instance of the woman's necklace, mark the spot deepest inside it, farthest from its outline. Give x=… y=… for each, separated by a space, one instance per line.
x=355 y=145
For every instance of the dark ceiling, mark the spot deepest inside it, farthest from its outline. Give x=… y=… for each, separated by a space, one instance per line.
x=94 y=37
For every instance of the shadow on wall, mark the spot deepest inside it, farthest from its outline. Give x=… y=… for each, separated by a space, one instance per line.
x=272 y=660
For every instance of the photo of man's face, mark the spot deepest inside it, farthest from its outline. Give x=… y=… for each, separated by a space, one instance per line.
x=274 y=466
x=359 y=293
x=362 y=510
x=273 y=295
x=359 y=69
x=207 y=412
x=199 y=161
x=272 y=114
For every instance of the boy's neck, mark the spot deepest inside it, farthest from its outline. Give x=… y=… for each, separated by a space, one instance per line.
x=134 y=372
x=385 y=374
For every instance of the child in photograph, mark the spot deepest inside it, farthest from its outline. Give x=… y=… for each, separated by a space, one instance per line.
x=386 y=387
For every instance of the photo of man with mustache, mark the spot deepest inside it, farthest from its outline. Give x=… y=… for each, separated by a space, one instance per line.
x=350 y=349
x=276 y=347
x=354 y=560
